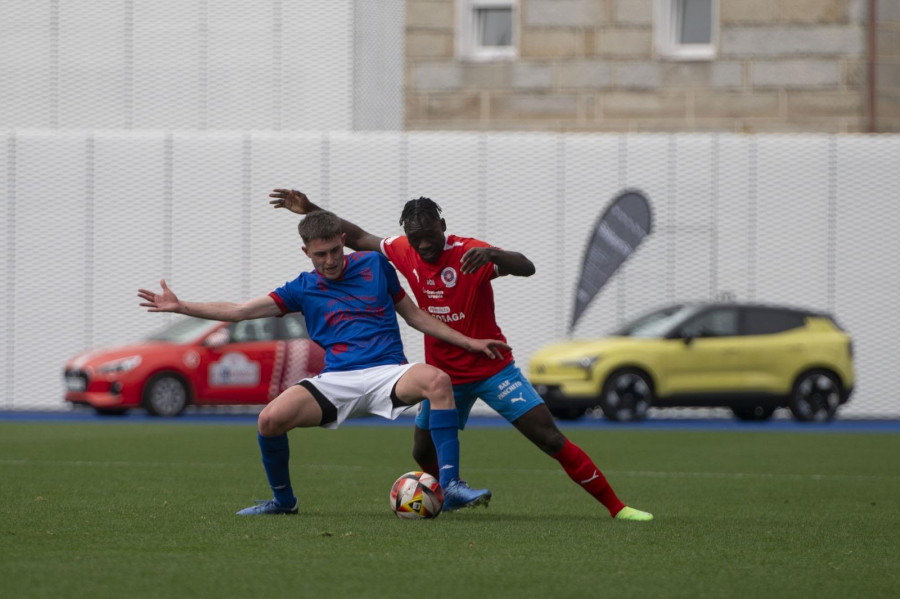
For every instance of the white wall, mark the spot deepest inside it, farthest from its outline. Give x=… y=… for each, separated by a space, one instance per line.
x=279 y=65
x=91 y=216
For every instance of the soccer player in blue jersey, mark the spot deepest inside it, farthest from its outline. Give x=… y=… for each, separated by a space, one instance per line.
x=350 y=303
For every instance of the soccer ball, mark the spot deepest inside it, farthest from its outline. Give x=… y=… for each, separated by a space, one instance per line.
x=417 y=495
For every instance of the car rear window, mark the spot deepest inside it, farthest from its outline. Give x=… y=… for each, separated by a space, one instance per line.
x=767 y=321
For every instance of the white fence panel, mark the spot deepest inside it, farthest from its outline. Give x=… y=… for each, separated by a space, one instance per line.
x=522 y=180
x=128 y=232
x=8 y=260
x=693 y=218
x=210 y=215
x=792 y=220
x=867 y=281
x=52 y=299
x=91 y=216
x=290 y=162
x=735 y=215
x=448 y=168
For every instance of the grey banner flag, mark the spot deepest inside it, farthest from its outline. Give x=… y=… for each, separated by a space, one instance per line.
x=619 y=230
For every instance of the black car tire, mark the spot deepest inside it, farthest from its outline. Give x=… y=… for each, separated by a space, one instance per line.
x=626 y=396
x=816 y=396
x=166 y=395
x=753 y=413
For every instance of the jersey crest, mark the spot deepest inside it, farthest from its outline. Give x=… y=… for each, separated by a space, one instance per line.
x=448 y=276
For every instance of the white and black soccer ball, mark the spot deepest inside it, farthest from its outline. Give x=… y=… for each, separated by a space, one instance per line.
x=417 y=495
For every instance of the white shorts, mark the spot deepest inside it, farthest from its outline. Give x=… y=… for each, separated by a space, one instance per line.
x=357 y=393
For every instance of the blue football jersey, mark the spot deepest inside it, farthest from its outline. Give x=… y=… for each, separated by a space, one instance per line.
x=353 y=317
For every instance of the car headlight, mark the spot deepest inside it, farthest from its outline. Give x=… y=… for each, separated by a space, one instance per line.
x=586 y=363
x=121 y=365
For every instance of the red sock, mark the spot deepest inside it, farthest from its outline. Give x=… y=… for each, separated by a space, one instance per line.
x=432 y=469
x=582 y=470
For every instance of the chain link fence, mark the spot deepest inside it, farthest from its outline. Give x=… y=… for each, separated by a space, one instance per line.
x=92 y=216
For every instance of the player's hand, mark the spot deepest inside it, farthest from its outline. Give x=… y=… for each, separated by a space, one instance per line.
x=475 y=258
x=160 y=302
x=489 y=347
x=293 y=200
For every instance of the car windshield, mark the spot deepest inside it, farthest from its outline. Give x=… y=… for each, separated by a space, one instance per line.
x=183 y=330
x=658 y=323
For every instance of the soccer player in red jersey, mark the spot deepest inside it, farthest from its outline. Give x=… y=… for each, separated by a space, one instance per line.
x=451 y=278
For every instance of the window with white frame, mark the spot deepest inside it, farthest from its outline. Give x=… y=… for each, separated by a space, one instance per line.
x=486 y=29
x=687 y=29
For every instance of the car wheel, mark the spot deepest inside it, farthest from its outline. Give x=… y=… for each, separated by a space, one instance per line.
x=815 y=397
x=626 y=396
x=753 y=413
x=165 y=395
x=567 y=413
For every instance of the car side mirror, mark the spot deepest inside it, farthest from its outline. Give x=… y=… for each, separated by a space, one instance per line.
x=217 y=338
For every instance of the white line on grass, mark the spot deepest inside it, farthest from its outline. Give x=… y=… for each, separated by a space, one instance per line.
x=740 y=475
x=107 y=464
x=554 y=472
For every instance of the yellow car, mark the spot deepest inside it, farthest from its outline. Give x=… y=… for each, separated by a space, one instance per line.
x=751 y=358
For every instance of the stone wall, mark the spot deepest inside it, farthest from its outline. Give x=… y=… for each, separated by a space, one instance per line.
x=887 y=72
x=590 y=65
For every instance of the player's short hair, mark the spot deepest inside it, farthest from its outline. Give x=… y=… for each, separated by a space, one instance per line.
x=420 y=209
x=320 y=224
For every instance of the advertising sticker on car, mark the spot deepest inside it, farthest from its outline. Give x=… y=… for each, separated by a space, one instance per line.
x=234 y=370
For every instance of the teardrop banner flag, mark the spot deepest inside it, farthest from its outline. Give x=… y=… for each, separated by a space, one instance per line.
x=618 y=232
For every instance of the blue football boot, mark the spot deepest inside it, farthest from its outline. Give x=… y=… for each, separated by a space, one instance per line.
x=269 y=507
x=459 y=495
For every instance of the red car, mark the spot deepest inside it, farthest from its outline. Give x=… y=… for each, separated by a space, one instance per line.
x=199 y=362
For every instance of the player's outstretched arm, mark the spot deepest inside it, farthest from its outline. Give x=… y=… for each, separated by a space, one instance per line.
x=167 y=301
x=297 y=202
x=423 y=323
x=508 y=263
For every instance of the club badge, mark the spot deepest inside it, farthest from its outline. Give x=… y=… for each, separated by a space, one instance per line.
x=448 y=276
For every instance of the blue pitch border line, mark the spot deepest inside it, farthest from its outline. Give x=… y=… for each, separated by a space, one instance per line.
x=698 y=424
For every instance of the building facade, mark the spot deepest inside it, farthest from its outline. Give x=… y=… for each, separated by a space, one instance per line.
x=653 y=65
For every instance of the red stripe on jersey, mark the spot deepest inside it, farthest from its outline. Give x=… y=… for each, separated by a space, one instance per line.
x=279 y=302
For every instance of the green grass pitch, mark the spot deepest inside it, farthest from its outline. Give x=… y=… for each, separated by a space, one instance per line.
x=147 y=510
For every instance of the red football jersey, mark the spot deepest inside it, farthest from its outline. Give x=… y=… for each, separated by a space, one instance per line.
x=464 y=302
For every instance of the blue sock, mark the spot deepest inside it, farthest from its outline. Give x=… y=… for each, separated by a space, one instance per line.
x=276 y=453
x=445 y=434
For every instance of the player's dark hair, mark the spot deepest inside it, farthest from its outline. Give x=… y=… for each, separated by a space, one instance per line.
x=320 y=224
x=420 y=209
